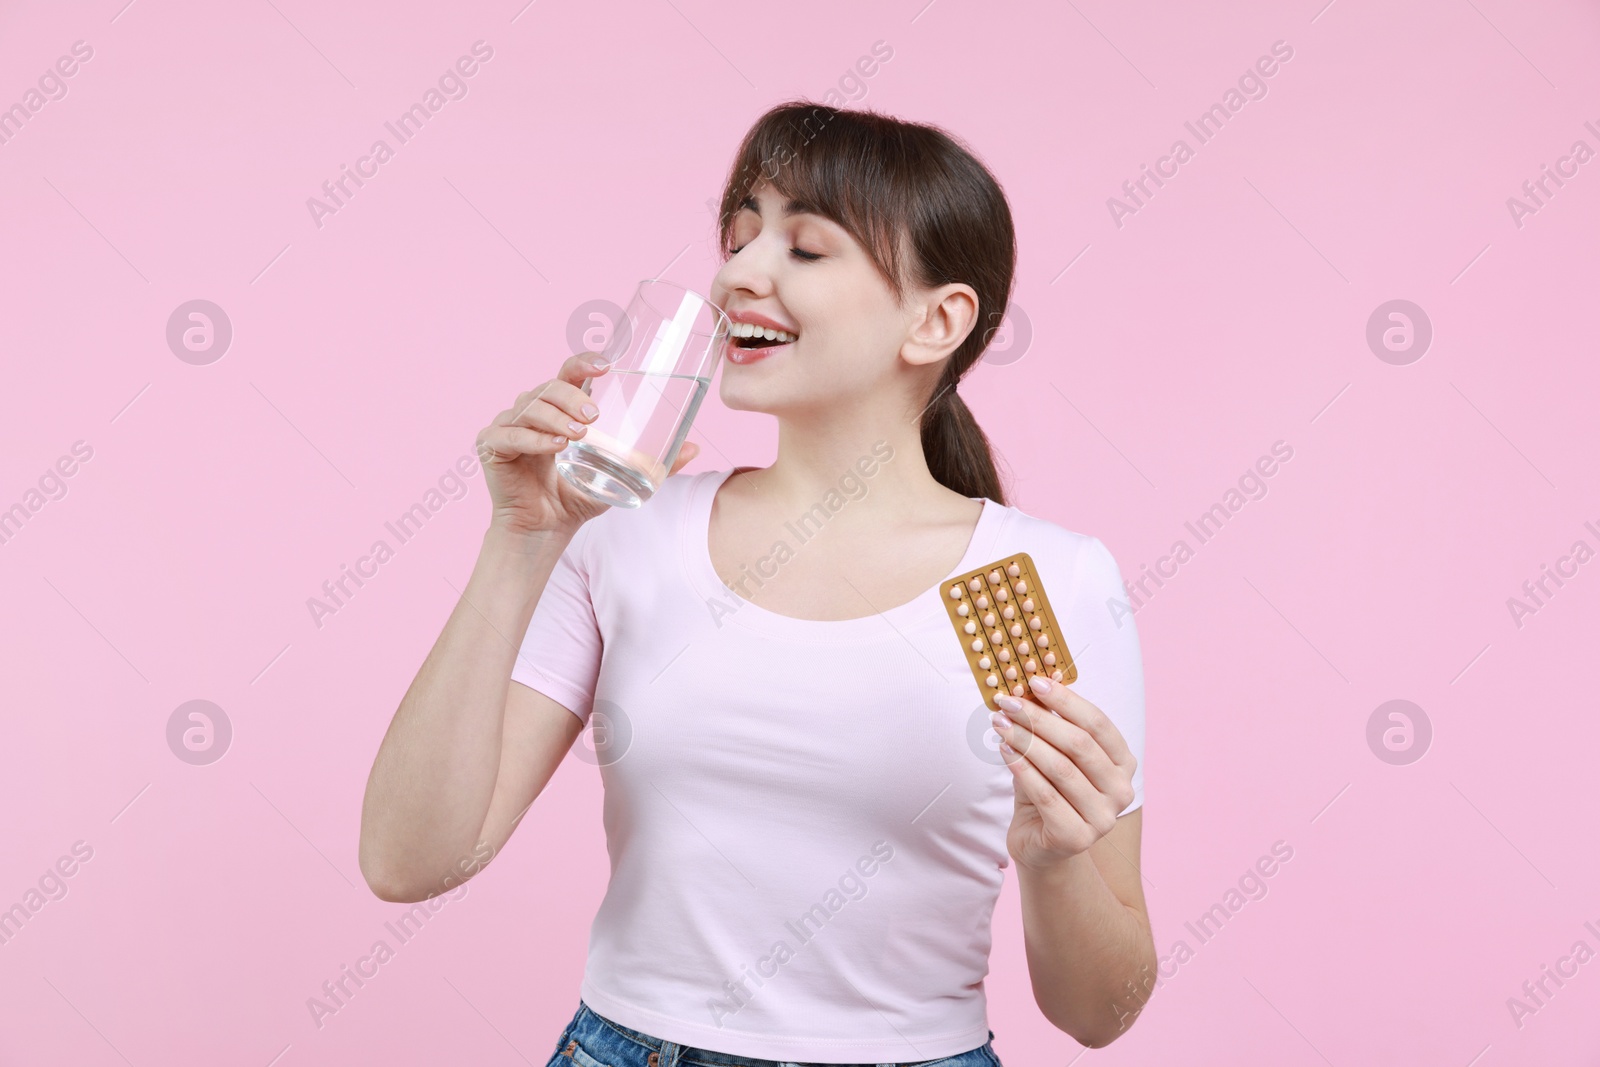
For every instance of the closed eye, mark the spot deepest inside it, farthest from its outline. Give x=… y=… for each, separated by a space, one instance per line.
x=798 y=253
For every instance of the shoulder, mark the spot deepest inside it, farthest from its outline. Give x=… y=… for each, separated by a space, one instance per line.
x=656 y=521
x=1085 y=587
x=1066 y=558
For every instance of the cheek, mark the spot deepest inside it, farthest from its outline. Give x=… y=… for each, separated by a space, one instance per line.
x=851 y=349
x=846 y=307
x=719 y=290
x=874 y=326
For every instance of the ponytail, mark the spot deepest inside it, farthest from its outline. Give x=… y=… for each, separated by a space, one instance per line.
x=957 y=449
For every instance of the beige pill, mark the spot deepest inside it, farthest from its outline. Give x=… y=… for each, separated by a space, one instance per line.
x=983 y=603
x=984 y=663
x=988 y=620
x=1010 y=611
x=1057 y=675
x=975 y=585
x=993 y=681
x=1005 y=655
x=1016 y=629
x=1013 y=570
x=1024 y=647
x=963 y=610
x=1031 y=666
x=1050 y=659
x=977 y=644
x=1035 y=624
x=997 y=637
x=955 y=592
x=1017 y=690
x=971 y=627
x=1022 y=586
x=994 y=576
x=1002 y=593
x=1027 y=605
x=1044 y=640
x=1011 y=674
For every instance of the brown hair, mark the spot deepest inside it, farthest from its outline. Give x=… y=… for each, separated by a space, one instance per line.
x=898 y=187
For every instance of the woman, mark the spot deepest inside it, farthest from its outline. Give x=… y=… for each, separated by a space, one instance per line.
x=807 y=824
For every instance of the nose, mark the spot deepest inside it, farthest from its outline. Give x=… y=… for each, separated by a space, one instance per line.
x=749 y=271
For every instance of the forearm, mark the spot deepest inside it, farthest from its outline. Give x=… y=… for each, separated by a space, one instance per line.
x=1085 y=950
x=434 y=775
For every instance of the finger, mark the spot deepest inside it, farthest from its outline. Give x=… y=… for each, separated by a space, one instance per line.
x=1065 y=778
x=565 y=390
x=574 y=369
x=501 y=443
x=1066 y=702
x=553 y=408
x=1064 y=826
x=687 y=452
x=523 y=402
x=1068 y=738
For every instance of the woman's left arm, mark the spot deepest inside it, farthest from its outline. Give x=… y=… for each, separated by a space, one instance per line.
x=1091 y=956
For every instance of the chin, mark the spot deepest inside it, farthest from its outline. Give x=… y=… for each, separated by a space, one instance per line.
x=739 y=398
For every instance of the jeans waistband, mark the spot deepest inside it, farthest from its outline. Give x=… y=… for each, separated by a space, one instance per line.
x=670 y=1054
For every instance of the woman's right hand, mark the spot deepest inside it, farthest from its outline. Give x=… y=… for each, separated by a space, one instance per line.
x=518 y=449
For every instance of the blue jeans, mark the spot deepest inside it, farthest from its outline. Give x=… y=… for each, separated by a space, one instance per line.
x=591 y=1040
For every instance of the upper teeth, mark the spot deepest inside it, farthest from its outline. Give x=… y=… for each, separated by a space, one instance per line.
x=745 y=329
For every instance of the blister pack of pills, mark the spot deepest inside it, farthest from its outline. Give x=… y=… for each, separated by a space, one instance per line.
x=1006 y=627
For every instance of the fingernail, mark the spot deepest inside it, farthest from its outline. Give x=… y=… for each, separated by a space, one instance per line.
x=575 y=427
x=999 y=720
x=599 y=362
x=590 y=411
x=1041 y=684
x=1009 y=702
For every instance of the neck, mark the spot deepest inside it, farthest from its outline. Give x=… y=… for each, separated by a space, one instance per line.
x=879 y=471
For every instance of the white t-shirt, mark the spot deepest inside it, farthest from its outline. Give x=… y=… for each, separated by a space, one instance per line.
x=806 y=819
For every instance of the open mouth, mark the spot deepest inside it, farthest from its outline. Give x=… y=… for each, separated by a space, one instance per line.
x=747 y=343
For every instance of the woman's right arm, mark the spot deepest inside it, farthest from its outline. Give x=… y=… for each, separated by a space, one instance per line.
x=467 y=752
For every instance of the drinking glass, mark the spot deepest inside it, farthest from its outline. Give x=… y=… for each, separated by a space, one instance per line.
x=663 y=353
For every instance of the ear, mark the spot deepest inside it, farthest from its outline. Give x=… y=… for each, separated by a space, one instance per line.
x=941 y=319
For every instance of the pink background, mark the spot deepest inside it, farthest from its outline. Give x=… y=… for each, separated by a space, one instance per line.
x=1228 y=313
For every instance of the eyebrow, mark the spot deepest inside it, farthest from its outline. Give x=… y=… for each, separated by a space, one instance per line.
x=791 y=207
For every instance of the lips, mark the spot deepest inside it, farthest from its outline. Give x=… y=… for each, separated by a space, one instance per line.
x=744 y=356
x=751 y=318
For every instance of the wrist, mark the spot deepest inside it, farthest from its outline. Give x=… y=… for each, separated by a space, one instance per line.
x=1054 y=868
x=512 y=569
x=505 y=537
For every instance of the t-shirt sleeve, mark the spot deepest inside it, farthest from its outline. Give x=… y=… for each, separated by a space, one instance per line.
x=1105 y=646
x=560 y=652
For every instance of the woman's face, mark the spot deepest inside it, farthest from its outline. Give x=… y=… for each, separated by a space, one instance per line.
x=807 y=274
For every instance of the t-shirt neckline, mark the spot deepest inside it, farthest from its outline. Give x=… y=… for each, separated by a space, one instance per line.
x=742 y=612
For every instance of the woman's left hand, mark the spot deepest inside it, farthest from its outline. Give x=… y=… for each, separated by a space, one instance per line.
x=1072 y=770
